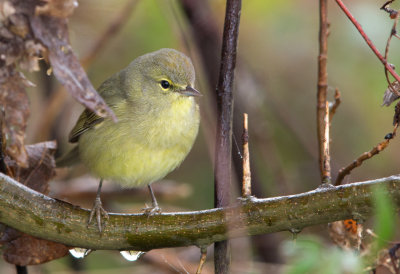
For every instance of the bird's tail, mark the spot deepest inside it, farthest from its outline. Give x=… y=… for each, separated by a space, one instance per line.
x=69 y=159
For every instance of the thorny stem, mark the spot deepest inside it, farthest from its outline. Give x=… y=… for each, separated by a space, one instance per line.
x=365 y=156
x=322 y=114
x=368 y=41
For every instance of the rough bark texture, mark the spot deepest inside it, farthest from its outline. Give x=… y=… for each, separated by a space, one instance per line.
x=47 y=218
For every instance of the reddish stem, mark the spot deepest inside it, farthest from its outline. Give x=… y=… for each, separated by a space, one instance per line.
x=369 y=42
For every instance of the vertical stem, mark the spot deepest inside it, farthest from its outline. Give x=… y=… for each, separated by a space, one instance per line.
x=326 y=175
x=223 y=146
x=246 y=182
x=322 y=126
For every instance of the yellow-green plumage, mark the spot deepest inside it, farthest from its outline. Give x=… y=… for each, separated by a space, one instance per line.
x=156 y=127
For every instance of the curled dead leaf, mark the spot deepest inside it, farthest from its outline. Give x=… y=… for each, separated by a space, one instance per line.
x=389 y=96
x=41 y=166
x=53 y=33
x=27 y=250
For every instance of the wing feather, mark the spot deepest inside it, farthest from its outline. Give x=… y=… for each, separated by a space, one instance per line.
x=86 y=121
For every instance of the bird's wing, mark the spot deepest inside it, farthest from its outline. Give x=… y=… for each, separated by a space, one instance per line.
x=87 y=120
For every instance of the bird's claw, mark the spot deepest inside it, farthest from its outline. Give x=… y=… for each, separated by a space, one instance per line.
x=99 y=211
x=153 y=210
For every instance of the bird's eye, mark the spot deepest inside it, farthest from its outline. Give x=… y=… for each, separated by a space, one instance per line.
x=165 y=84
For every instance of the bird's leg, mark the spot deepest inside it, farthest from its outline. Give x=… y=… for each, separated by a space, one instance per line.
x=154 y=209
x=97 y=208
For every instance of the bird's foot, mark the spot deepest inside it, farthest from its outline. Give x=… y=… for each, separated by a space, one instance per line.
x=99 y=211
x=151 y=210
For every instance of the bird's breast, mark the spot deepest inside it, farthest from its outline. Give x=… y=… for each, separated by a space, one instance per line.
x=141 y=149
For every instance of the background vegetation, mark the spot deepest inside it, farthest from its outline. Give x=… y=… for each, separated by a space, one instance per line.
x=276 y=83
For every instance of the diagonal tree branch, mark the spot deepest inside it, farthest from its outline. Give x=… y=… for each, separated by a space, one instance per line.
x=367 y=40
x=41 y=216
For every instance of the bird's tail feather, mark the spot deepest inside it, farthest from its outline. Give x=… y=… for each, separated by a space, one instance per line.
x=69 y=159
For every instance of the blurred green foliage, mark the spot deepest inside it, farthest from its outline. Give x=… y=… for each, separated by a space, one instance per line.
x=385 y=218
x=309 y=255
x=278 y=46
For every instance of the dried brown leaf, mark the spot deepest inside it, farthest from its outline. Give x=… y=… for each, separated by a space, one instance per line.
x=14 y=112
x=20 y=248
x=53 y=33
x=27 y=250
x=389 y=97
x=41 y=166
x=57 y=8
x=18 y=24
x=6 y=9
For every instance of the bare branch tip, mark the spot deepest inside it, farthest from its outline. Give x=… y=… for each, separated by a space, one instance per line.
x=246 y=182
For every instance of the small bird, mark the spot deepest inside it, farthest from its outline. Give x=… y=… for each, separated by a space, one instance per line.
x=158 y=121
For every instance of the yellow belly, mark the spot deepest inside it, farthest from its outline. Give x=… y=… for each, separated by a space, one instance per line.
x=135 y=153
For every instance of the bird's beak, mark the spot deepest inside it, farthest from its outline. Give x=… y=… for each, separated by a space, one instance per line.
x=189 y=91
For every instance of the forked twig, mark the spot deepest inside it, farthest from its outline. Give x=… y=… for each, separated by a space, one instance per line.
x=394 y=15
x=365 y=156
x=367 y=40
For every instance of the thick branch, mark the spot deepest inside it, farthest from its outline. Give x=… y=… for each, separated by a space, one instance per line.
x=47 y=218
x=223 y=154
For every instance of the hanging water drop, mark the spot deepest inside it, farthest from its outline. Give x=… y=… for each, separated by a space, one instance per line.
x=131 y=255
x=295 y=232
x=79 y=252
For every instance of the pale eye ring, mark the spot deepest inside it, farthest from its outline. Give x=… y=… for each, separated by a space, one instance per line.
x=165 y=84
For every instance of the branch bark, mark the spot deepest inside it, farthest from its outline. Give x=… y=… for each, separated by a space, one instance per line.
x=41 y=216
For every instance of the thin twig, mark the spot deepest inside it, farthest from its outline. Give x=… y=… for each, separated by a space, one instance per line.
x=365 y=156
x=322 y=113
x=392 y=33
x=246 y=182
x=335 y=105
x=203 y=258
x=223 y=157
x=368 y=41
